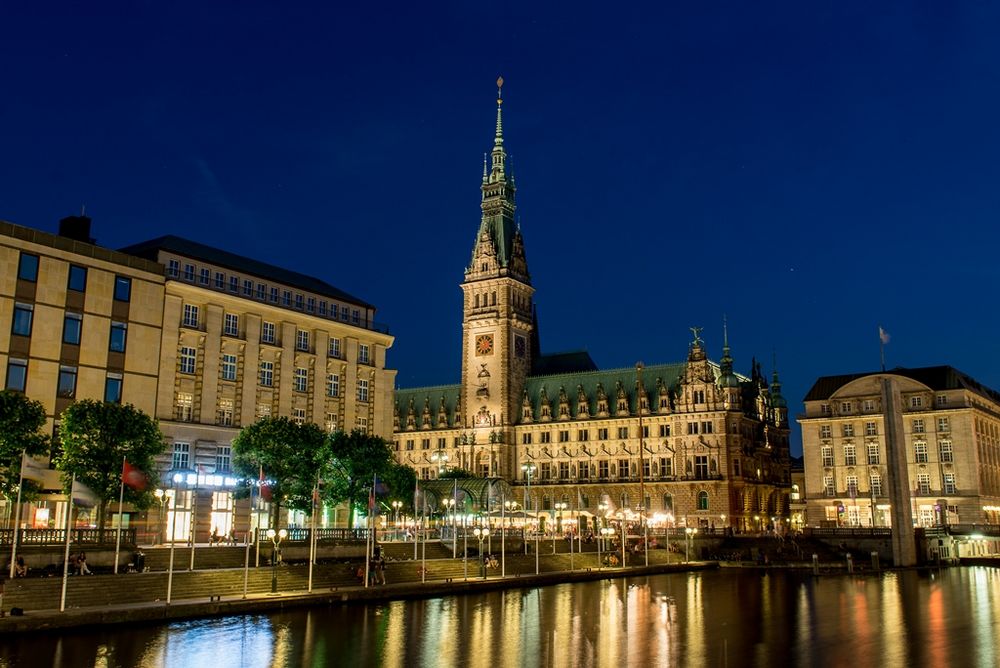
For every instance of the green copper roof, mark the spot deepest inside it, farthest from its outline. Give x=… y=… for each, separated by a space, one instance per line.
x=432 y=397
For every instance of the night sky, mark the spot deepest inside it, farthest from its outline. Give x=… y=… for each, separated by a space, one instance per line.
x=810 y=170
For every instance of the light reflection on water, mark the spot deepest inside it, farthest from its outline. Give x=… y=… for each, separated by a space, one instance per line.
x=729 y=618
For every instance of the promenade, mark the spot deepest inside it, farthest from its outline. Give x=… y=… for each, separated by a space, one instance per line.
x=107 y=599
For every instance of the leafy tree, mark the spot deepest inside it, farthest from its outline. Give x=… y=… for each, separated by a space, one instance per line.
x=400 y=481
x=290 y=456
x=353 y=460
x=95 y=437
x=21 y=421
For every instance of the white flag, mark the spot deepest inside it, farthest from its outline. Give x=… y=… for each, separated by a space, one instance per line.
x=32 y=470
x=883 y=336
x=83 y=495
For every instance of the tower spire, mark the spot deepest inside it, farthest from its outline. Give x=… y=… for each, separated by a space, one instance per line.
x=498 y=141
x=726 y=376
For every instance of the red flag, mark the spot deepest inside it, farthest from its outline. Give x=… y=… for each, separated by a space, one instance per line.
x=133 y=477
x=265 y=489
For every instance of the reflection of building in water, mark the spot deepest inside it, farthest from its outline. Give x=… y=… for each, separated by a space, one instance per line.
x=714 y=442
x=951 y=433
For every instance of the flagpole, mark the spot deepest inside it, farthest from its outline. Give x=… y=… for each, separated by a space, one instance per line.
x=194 y=515
x=416 y=526
x=369 y=543
x=312 y=534
x=246 y=555
x=503 y=535
x=69 y=524
x=121 y=499
x=881 y=346
x=173 y=542
x=260 y=497
x=17 y=518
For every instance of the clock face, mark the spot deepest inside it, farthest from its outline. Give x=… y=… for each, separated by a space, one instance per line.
x=519 y=346
x=484 y=344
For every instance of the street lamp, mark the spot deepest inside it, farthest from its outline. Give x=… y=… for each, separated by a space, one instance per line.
x=441 y=459
x=756 y=523
x=688 y=539
x=276 y=538
x=161 y=529
x=528 y=469
x=449 y=505
x=560 y=507
x=481 y=534
x=396 y=505
x=511 y=506
x=723 y=518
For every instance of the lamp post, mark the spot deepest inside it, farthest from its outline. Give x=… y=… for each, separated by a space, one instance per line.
x=723 y=518
x=605 y=535
x=528 y=469
x=560 y=507
x=688 y=539
x=161 y=529
x=449 y=505
x=481 y=534
x=756 y=523
x=441 y=459
x=276 y=538
x=396 y=505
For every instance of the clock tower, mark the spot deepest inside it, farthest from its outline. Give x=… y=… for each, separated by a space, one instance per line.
x=497 y=318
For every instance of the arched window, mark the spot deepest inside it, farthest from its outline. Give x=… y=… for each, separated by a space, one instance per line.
x=668 y=503
x=702 y=500
x=477 y=301
x=493 y=299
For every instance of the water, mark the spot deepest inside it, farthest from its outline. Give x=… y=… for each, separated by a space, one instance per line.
x=725 y=618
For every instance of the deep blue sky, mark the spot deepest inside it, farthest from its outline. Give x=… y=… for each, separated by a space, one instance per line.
x=809 y=169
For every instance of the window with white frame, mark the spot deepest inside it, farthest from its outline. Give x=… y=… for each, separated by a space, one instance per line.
x=944 y=449
x=225 y=412
x=299 y=301
x=362 y=389
x=189 y=272
x=943 y=424
x=274 y=295
x=182 y=456
x=223 y=459
x=231 y=325
x=875 y=482
x=330 y=423
x=302 y=340
x=845 y=407
x=188 y=359
x=824 y=409
x=355 y=316
x=261 y=292
x=300 y=379
x=874 y=457
x=850 y=455
x=173 y=268
x=247 y=288
x=852 y=486
x=190 y=316
x=267 y=332
x=622 y=432
x=949 y=483
x=234 y=284
x=334 y=347
x=267 y=374
x=916 y=402
x=871 y=428
x=941 y=400
x=263 y=410
x=228 y=367
x=827 y=454
x=205 y=277
x=299 y=415
x=220 y=281
x=363 y=354
x=918 y=426
x=920 y=452
x=923 y=484
x=828 y=488
x=848 y=429
x=310 y=304
x=185 y=406
x=362 y=423
x=333 y=384
x=825 y=431
x=869 y=405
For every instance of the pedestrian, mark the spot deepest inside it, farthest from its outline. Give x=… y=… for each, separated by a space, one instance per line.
x=20 y=568
x=140 y=561
x=380 y=571
x=81 y=563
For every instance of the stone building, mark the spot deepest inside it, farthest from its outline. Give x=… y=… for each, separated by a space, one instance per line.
x=713 y=443
x=242 y=340
x=77 y=321
x=951 y=437
x=204 y=340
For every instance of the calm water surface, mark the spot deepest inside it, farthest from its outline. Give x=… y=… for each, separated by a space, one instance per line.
x=727 y=618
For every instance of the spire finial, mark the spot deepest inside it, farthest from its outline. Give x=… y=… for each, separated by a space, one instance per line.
x=725 y=332
x=484 y=167
x=499 y=135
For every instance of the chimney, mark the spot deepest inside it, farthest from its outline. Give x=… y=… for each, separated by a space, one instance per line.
x=76 y=227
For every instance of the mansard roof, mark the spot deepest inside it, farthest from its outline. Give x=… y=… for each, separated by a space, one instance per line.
x=937 y=378
x=197 y=251
x=431 y=395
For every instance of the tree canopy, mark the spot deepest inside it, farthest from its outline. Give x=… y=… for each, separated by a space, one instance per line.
x=96 y=436
x=21 y=421
x=353 y=460
x=290 y=455
x=400 y=481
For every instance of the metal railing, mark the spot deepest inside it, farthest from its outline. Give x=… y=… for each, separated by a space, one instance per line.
x=58 y=536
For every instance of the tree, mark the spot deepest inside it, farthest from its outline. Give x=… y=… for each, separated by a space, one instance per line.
x=353 y=460
x=95 y=437
x=21 y=421
x=290 y=456
x=401 y=480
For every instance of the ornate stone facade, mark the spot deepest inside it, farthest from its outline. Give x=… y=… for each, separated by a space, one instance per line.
x=713 y=444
